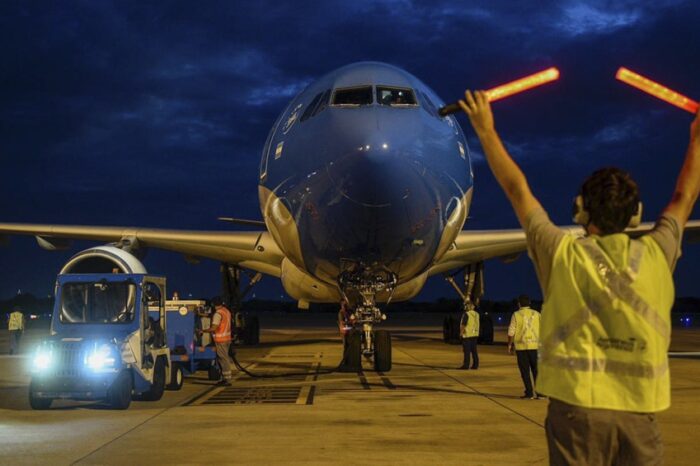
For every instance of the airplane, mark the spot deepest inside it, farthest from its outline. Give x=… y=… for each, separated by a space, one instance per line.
x=364 y=190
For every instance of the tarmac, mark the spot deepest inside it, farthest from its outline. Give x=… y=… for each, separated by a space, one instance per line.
x=424 y=411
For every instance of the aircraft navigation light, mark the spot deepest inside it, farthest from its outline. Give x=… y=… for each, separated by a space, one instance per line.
x=657 y=90
x=508 y=89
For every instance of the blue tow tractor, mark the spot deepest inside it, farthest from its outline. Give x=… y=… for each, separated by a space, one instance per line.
x=109 y=336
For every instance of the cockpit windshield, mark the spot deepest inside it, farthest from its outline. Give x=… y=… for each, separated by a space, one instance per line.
x=395 y=96
x=97 y=303
x=353 y=96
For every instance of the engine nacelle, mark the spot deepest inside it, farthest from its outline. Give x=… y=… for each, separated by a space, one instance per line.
x=103 y=259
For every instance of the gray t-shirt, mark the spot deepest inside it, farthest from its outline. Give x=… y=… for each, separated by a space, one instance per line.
x=543 y=238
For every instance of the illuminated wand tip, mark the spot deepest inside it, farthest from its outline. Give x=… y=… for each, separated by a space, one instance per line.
x=657 y=90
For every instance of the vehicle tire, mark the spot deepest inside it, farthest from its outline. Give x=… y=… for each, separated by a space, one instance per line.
x=382 y=351
x=119 y=394
x=155 y=393
x=38 y=403
x=214 y=372
x=253 y=330
x=177 y=377
x=352 y=352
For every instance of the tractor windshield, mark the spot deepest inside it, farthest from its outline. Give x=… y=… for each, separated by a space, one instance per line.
x=97 y=303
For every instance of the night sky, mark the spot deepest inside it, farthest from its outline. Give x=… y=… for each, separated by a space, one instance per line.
x=154 y=114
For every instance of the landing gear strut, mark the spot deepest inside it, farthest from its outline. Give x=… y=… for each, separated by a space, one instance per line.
x=471 y=296
x=363 y=284
x=246 y=328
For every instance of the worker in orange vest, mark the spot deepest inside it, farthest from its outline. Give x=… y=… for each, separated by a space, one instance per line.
x=221 y=330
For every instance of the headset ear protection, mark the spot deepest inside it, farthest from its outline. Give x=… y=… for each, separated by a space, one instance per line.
x=582 y=217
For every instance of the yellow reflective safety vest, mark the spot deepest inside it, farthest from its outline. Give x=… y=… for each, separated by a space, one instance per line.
x=606 y=324
x=527 y=329
x=16 y=321
x=471 y=328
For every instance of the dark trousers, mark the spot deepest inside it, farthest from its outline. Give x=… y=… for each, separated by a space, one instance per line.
x=15 y=336
x=579 y=436
x=469 y=348
x=527 y=362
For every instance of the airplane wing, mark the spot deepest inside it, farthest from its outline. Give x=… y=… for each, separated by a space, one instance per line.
x=479 y=245
x=252 y=250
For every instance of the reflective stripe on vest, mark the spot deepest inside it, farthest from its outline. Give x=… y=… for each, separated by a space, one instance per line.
x=606 y=328
x=223 y=331
x=527 y=329
x=472 y=328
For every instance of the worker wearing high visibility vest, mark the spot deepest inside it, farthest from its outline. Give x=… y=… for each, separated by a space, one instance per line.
x=469 y=331
x=524 y=333
x=16 y=327
x=221 y=330
x=605 y=326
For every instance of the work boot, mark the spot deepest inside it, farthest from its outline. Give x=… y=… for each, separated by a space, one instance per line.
x=224 y=383
x=527 y=397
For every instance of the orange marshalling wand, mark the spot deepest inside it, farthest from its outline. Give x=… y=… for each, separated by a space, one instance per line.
x=657 y=90
x=522 y=84
x=513 y=87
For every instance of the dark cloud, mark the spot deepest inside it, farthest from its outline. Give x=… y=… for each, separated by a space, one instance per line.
x=155 y=113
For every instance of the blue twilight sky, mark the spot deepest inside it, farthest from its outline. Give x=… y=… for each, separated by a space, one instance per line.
x=155 y=113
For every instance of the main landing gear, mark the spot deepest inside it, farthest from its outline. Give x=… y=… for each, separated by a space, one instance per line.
x=363 y=340
x=471 y=296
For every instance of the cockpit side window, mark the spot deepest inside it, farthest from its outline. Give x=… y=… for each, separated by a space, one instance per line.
x=395 y=96
x=322 y=103
x=311 y=107
x=428 y=104
x=353 y=96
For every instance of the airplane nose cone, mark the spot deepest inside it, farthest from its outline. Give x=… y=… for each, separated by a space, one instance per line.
x=374 y=175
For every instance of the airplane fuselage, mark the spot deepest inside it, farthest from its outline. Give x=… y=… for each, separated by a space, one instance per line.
x=360 y=172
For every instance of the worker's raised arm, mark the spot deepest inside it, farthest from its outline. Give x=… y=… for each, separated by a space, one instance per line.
x=688 y=184
x=506 y=171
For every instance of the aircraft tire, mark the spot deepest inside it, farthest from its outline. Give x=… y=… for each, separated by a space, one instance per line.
x=446 y=330
x=177 y=377
x=253 y=330
x=382 y=351
x=352 y=352
x=38 y=403
x=486 y=330
x=119 y=394
x=456 y=338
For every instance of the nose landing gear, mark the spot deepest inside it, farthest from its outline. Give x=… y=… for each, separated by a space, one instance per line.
x=363 y=339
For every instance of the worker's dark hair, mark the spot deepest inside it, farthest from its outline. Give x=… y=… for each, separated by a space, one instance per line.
x=217 y=301
x=610 y=196
x=524 y=300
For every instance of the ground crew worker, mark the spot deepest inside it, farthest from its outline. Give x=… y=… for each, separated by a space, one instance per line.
x=469 y=331
x=16 y=327
x=524 y=331
x=221 y=330
x=606 y=317
x=344 y=320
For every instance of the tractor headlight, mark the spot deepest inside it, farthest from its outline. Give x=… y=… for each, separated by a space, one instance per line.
x=43 y=359
x=102 y=357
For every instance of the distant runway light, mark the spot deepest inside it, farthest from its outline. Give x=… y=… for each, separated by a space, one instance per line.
x=508 y=89
x=385 y=146
x=657 y=90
